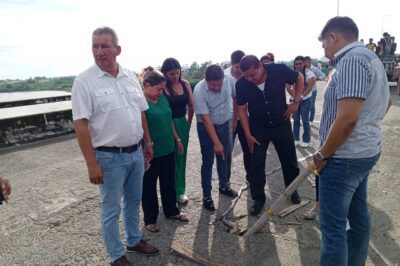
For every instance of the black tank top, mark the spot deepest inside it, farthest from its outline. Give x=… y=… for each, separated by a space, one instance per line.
x=177 y=103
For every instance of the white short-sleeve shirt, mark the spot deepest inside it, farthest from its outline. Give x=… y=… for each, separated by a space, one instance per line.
x=112 y=105
x=309 y=75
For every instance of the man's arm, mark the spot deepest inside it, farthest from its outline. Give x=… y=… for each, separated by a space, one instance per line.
x=208 y=125
x=349 y=110
x=298 y=91
x=85 y=144
x=244 y=121
x=148 y=145
x=318 y=73
x=235 y=114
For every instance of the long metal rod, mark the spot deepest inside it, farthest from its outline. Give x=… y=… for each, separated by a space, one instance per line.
x=276 y=205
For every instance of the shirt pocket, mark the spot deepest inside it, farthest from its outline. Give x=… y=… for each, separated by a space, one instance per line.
x=107 y=99
x=134 y=97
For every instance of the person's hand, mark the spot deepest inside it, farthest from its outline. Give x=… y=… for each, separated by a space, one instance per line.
x=148 y=153
x=180 y=147
x=250 y=142
x=95 y=173
x=5 y=188
x=219 y=150
x=319 y=164
x=292 y=108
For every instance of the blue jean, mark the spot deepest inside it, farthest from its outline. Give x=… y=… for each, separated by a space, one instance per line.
x=207 y=156
x=312 y=109
x=304 y=112
x=343 y=185
x=123 y=178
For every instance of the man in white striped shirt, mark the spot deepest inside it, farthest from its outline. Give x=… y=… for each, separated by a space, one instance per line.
x=356 y=98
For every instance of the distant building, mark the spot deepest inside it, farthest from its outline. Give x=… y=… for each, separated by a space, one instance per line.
x=34 y=115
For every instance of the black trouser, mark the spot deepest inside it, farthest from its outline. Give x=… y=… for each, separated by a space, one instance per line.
x=282 y=137
x=163 y=167
x=245 y=148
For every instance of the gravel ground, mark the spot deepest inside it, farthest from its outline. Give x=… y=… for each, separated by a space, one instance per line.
x=53 y=214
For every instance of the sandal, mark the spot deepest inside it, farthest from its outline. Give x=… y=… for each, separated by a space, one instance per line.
x=152 y=228
x=180 y=217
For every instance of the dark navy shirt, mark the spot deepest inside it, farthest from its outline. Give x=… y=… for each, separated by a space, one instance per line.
x=266 y=108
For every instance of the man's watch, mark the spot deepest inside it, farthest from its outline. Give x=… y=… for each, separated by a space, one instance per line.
x=320 y=156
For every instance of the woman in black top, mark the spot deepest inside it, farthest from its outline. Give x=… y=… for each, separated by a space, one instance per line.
x=179 y=95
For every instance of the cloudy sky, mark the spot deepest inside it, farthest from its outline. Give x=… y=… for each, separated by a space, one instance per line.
x=53 y=37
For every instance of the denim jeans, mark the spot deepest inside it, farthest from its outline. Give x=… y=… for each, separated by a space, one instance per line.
x=123 y=178
x=312 y=109
x=304 y=112
x=207 y=156
x=343 y=185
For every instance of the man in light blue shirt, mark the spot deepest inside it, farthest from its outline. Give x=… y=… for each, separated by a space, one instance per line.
x=213 y=97
x=356 y=98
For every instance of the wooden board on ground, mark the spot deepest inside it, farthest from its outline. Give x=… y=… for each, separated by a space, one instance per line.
x=191 y=255
x=292 y=208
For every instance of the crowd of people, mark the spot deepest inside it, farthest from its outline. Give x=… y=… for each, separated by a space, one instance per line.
x=133 y=132
x=386 y=45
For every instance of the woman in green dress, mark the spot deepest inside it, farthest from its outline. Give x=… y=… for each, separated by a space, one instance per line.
x=164 y=139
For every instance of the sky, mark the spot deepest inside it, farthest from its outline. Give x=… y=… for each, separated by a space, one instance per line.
x=52 y=38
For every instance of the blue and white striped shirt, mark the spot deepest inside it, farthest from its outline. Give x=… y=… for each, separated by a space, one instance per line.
x=357 y=73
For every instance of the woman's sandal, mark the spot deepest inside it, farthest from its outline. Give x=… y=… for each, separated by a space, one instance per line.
x=180 y=217
x=152 y=228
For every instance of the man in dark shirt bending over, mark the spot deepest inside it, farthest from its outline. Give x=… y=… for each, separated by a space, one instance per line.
x=262 y=89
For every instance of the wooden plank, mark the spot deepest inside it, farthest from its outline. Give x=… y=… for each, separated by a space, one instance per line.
x=292 y=208
x=191 y=255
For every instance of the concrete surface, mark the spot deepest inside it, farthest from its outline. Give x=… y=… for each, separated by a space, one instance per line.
x=53 y=214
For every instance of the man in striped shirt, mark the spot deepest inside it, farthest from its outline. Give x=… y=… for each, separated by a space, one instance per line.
x=356 y=98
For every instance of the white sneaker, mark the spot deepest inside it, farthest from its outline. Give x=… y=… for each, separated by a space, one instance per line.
x=296 y=143
x=305 y=144
x=183 y=199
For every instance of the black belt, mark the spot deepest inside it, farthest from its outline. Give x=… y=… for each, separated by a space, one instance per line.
x=119 y=149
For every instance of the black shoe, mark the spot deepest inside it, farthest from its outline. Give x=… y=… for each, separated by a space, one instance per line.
x=295 y=198
x=208 y=203
x=122 y=261
x=256 y=208
x=228 y=192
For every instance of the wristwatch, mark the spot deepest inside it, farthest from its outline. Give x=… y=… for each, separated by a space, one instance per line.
x=320 y=156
